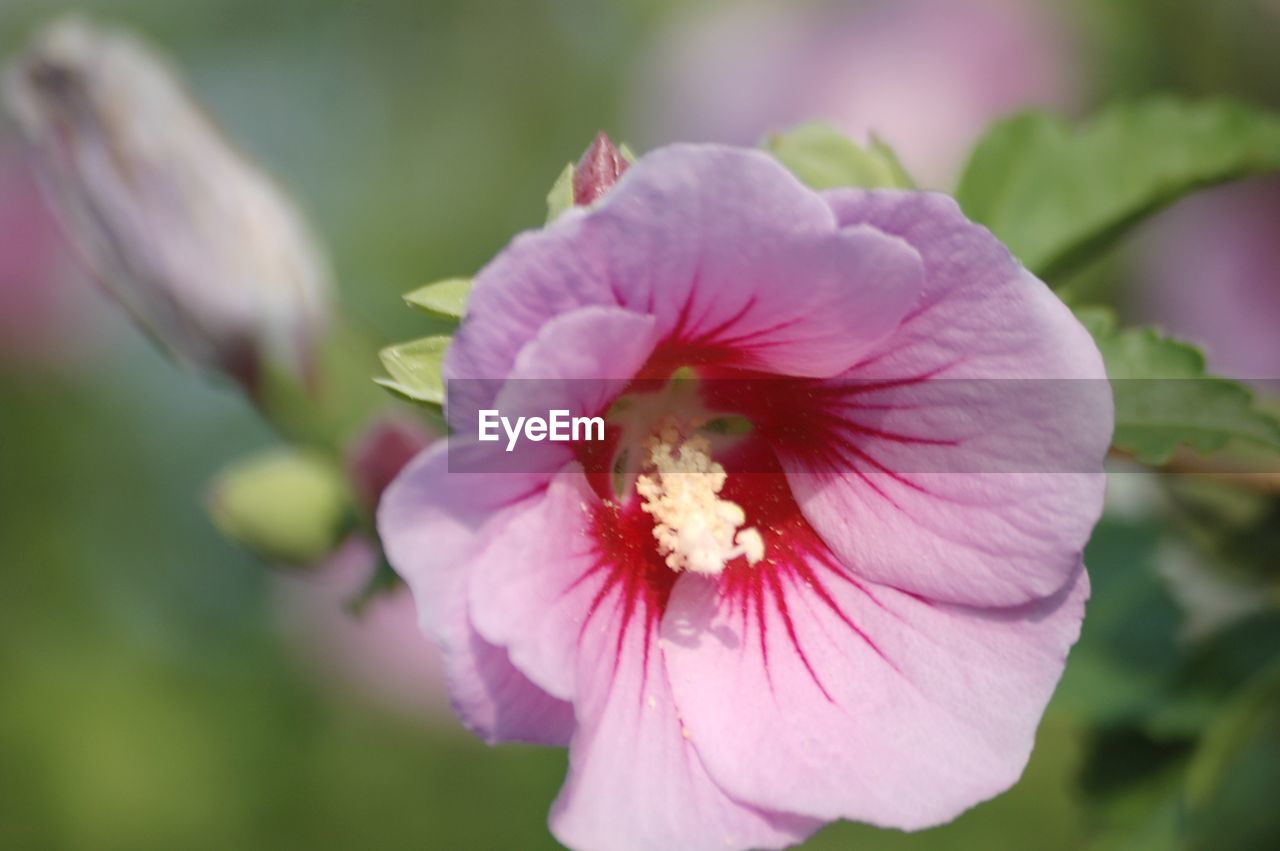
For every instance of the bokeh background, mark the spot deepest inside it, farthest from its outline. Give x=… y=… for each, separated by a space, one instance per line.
x=161 y=689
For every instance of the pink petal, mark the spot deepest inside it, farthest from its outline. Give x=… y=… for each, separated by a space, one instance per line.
x=952 y=466
x=815 y=693
x=439 y=515
x=533 y=586
x=431 y=524
x=736 y=258
x=732 y=255
x=634 y=781
x=981 y=314
x=496 y=701
x=580 y=361
x=573 y=596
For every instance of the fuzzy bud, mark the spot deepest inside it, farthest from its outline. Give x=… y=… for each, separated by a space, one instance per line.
x=199 y=245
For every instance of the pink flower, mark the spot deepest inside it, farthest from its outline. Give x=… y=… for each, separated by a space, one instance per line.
x=925 y=75
x=378 y=651
x=857 y=609
x=378 y=655
x=1209 y=273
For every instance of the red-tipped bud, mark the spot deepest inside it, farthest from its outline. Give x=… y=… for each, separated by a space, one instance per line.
x=378 y=454
x=597 y=171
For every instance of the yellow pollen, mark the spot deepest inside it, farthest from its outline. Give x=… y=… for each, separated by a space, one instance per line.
x=695 y=529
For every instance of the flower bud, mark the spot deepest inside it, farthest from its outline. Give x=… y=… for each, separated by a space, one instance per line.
x=290 y=507
x=380 y=452
x=197 y=244
x=600 y=167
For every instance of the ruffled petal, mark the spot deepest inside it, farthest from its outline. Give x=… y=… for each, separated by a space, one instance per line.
x=534 y=586
x=980 y=313
x=806 y=689
x=742 y=265
x=962 y=458
x=738 y=262
x=495 y=700
x=432 y=524
x=578 y=361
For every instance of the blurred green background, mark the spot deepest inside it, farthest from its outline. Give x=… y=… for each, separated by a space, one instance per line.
x=154 y=696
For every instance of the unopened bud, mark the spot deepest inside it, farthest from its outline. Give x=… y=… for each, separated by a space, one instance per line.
x=197 y=244
x=380 y=452
x=289 y=507
x=597 y=171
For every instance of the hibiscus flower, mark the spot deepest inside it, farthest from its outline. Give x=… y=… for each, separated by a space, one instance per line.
x=854 y=601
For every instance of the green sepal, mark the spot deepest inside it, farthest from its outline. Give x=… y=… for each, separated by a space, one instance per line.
x=560 y=198
x=824 y=158
x=414 y=369
x=445 y=299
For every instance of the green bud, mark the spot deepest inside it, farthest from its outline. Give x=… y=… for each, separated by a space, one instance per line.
x=287 y=506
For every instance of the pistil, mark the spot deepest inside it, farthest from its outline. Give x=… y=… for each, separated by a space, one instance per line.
x=696 y=529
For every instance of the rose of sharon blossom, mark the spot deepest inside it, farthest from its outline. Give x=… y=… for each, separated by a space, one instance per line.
x=860 y=608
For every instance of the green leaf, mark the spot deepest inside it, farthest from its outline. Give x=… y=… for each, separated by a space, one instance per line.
x=1237 y=529
x=415 y=369
x=445 y=299
x=1232 y=780
x=898 y=172
x=1058 y=196
x=1165 y=399
x=824 y=158
x=1132 y=785
x=1215 y=670
x=288 y=506
x=560 y=198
